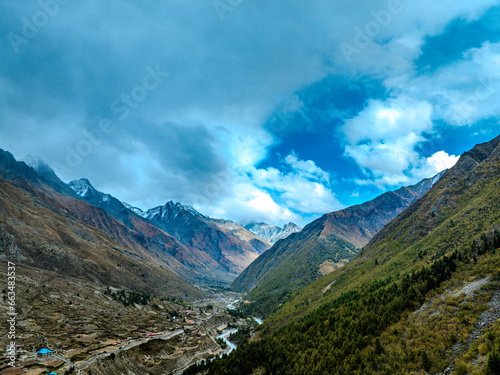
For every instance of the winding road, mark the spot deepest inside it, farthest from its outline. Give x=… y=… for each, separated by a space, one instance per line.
x=129 y=345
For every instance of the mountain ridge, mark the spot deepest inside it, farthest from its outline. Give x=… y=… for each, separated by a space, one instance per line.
x=431 y=222
x=218 y=254
x=56 y=232
x=209 y=235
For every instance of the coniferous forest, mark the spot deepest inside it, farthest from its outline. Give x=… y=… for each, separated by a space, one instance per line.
x=343 y=336
x=423 y=297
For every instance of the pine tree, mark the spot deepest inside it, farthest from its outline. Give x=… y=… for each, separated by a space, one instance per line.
x=378 y=347
x=426 y=363
x=493 y=365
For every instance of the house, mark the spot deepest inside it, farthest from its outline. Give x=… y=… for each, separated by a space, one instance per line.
x=44 y=353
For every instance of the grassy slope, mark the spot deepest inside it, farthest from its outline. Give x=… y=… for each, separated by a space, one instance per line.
x=287 y=271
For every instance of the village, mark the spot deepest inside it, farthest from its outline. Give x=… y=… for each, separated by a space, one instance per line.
x=79 y=328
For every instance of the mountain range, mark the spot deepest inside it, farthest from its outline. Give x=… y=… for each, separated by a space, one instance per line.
x=45 y=226
x=201 y=249
x=404 y=283
x=220 y=253
x=186 y=244
x=323 y=246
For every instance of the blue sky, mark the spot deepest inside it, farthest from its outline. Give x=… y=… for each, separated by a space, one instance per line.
x=249 y=110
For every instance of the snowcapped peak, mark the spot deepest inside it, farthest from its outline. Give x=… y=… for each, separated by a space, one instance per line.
x=272 y=233
x=292 y=227
x=33 y=161
x=179 y=206
x=169 y=211
x=83 y=188
x=191 y=210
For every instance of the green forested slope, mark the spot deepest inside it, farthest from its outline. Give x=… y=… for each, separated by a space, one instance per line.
x=361 y=319
x=326 y=244
x=460 y=206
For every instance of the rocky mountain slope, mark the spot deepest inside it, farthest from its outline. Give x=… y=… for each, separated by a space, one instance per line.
x=43 y=228
x=324 y=245
x=272 y=233
x=227 y=243
x=258 y=243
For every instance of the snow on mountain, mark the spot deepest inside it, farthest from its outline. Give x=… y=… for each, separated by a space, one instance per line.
x=48 y=175
x=135 y=210
x=272 y=233
x=37 y=164
x=437 y=177
x=84 y=189
x=169 y=211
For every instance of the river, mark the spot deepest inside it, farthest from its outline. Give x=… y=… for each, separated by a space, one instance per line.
x=225 y=336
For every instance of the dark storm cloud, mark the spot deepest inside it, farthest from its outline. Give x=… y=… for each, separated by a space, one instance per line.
x=68 y=65
x=64 y=77
x=150 y=164
x=91 y=52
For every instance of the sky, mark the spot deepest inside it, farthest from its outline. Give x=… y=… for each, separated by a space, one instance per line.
x=249 y=110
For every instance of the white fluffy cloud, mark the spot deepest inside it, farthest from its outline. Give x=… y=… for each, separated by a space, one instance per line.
x=306 y=188
x=440 y=161
x=462 y=92
x=306 y=168
x=471 y=97
x=298 y=189
x=249 y=203
x=383 y=141
x=382 y=138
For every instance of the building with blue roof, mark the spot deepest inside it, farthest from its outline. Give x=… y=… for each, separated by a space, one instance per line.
x=44 y=353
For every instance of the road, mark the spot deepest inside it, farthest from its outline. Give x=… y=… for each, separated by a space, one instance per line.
x=129 y=345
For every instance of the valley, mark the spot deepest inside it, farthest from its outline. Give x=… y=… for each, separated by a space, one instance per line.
x=236 y=187
x=101 y=287
x=421 y=297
